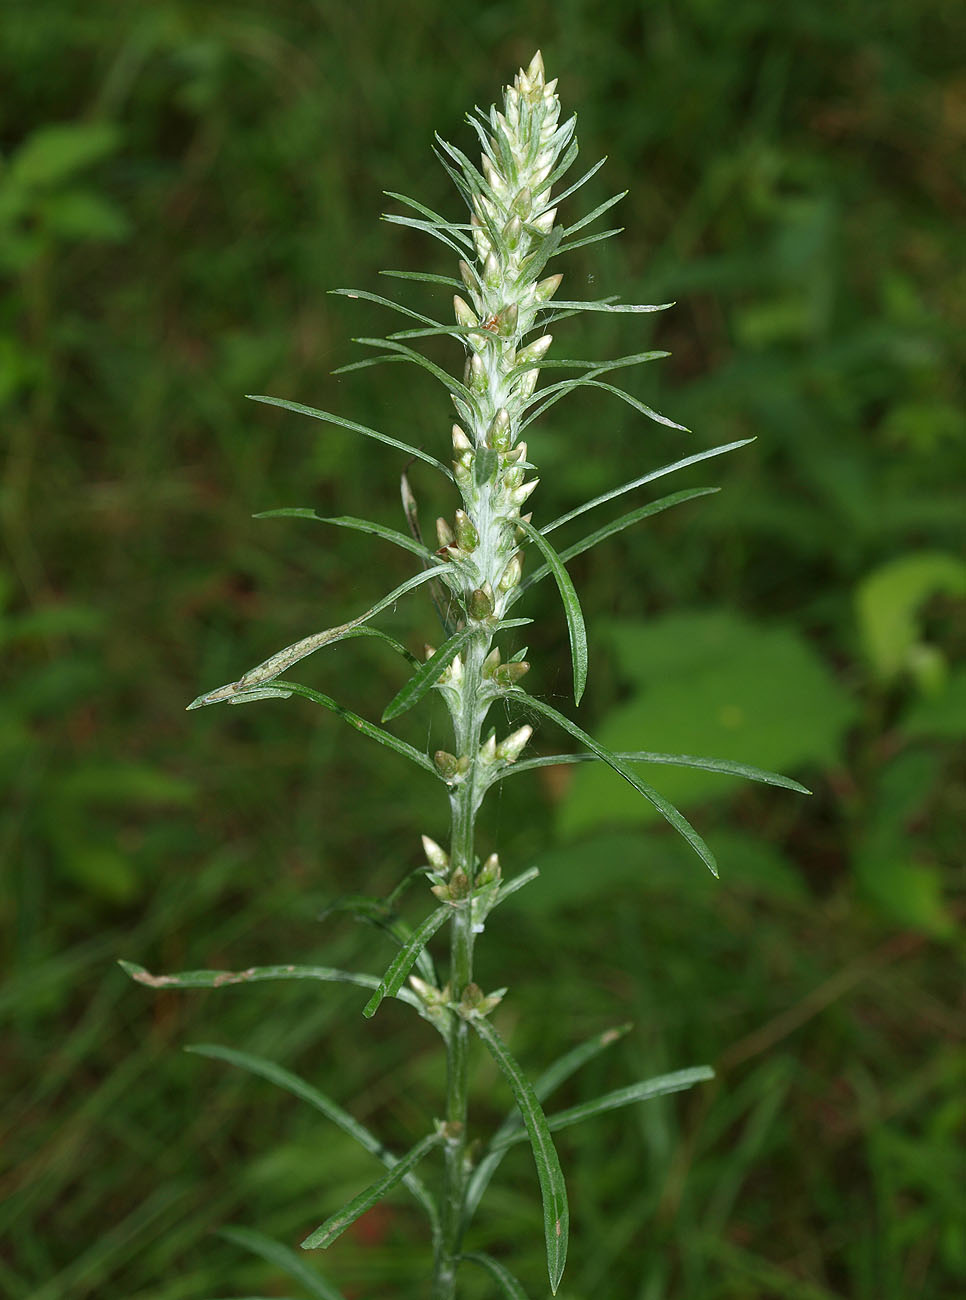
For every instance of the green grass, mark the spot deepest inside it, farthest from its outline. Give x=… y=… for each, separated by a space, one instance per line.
x=792 y=185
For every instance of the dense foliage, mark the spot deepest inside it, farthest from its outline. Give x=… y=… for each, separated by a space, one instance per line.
x=180 y=186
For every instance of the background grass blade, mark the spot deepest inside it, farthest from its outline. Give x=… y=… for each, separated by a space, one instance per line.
x=571 y=604
x=299 y=1087
x=338 y=1222
x=666 y=809
x=556 y=1215
x=287 y=1260
x=510 y=1286
x=392 y=982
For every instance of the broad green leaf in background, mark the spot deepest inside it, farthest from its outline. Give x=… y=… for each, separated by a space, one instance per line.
x=889 y=599
x=710 y=683
x=942 y=714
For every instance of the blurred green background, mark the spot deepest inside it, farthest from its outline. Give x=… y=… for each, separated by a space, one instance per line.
x=181 y=184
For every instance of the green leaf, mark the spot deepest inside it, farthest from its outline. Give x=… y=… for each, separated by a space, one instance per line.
x=287 y=1260
x=888 y=602
x=384 y=302
x=265 y=673
x=425 y=277
x=409 y=354
x=645 y=478
x=591 y=239
x=707 y=682
x=510 y=1286
x=290 y=1082
x=575 y=618
x=602 y=305
x=328 y=418
x=428 y=674
x=367 y=728
x=666 y=809
x=660 y=1086
x=565 y=194
x=592 y=216
x=393 y=535
x=53 y=153
x=556 y=1215
x=216 y=979
x=518 y=882
x=544 y=398
x=722 y=765
x=609 y=530
x=552 y=1078
x=392 y=982
x=337 y=1223
x=429 y=228
x=379 y=912
x=585 y=381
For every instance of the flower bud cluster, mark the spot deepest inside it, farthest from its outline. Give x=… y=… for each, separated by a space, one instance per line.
x=512 y=231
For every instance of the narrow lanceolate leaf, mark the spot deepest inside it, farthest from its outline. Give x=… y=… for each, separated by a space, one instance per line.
x=518 y=882
x=508 y=1283
x=290 y=1082
x=552 y=1078
x=575 y=619
x=679 y=1081
x=601 y=305
x=426 y=277
x=369 y=729
x=428 y=674
x=597 y=212
x=609 y=530
x=337 y=1223
x=663 y=806
x=585 y=381
x=265 y=673
x=385 y=302
x=358 y=525
x=328 y=418
x=287 y=1260
x=556 y=1215
x=449 y=383
x=639 y=482
x=722 y=765
x=394 y=978
x=216 y=979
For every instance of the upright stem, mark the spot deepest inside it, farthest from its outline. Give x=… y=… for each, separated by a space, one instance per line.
x=468 y=723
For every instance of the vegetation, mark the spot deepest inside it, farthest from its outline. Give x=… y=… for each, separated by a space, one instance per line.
x=180 y=186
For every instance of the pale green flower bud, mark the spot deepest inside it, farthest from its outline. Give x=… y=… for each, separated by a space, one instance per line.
x=545 y=290
x=491 y=269
x=520 y=494
x=512 y=233
x=512 y=747
x=435 y=856
x=444 y=534
x=535 y=350
x=523 y=202
x=477 y=375
x=490 y=872
x=512 y=573
x=464 y=313
x=544 y=222
x=510 y=674
x=461 y=444
x=447 y=765
x=492 y=662
x=498 y=434
x=480 y=605
x=466 y=535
